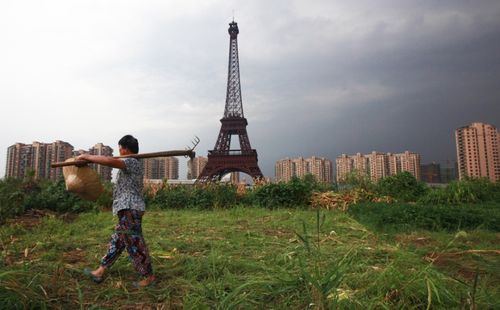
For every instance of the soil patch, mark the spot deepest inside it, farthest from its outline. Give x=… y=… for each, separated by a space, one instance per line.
x=465 y=263
x=416 y=241
x=74 y=256
x=278 y=232
x=33 y=217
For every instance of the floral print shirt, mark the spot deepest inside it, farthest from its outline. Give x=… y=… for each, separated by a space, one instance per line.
x=127 y=193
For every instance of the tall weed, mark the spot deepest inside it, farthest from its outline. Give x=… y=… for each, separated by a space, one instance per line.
x=322 y=281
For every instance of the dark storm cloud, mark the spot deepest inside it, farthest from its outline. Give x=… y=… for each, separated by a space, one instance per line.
x=432 y=77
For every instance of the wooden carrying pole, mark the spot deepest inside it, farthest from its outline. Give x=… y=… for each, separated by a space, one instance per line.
x=189 y=153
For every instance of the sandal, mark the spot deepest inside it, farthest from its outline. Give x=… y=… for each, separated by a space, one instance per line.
x=139 y=285
x=88 y=273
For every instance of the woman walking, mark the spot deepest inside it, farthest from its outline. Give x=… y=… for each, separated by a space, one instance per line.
x=129 y=206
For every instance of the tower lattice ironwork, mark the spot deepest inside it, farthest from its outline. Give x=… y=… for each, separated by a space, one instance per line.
x=222 y=159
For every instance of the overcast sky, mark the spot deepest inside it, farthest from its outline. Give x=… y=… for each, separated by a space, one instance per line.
x=318 y=77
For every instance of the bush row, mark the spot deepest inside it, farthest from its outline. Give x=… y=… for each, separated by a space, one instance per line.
x=20 y=195
x=405 y=188
x=203 y=197
x=298 y=193
x=466 y=204
x=445 y=208
x=463 y=192
x=295 y=193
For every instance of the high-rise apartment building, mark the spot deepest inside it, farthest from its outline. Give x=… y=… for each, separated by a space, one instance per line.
x=195 y=167
x=18 y=160
x=283 y=170
x=449 y=171
x=37 y=157
x=320 y=167
x=161 y=168
x=407 y=161
x=358 y=164
x=344 y=166
x=103 y=171
x=377 y=165
x=478 y=147
x=431 y=173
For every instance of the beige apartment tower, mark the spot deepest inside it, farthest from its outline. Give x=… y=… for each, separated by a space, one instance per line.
x=358 y=164
x=478 y=147
x=344 y=166
x=37 y=157
x=195 y=167
x=377 y=165
x=103 y=171
x=407 y=161
x=18 y=160
x=161 y=168
x=320 y=167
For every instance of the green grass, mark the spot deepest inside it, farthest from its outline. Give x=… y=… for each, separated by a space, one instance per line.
x=411 y=216
x=246 y=258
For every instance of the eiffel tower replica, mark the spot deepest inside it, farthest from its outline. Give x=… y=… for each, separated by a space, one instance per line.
x=222 y=160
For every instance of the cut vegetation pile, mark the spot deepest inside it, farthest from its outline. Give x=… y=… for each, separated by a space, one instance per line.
x=342 y=200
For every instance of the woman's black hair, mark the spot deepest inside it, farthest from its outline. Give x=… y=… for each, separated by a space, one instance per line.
x=130 y=143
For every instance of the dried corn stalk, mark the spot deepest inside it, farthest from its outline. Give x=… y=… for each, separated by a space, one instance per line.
x=342 y=200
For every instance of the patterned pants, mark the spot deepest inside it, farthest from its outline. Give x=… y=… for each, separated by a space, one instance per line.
x=128 y=234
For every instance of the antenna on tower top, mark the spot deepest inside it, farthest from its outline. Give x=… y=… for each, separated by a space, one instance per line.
x=233 y=15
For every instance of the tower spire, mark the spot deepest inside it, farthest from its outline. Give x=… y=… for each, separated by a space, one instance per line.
x=234 y=105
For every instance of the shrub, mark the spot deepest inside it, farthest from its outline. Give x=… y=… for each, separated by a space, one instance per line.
x=20 y=195
x=55 y=197
x=464 y=192
x=355 y=179
x=174 y=197
x=105 y=200
x=12 y=198
x=226 y=196
x=272 y=195
x=295 y=193
x=203 y=196
x=402 y=187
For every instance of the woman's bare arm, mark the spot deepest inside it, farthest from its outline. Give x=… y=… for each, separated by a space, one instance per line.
x=103 y=160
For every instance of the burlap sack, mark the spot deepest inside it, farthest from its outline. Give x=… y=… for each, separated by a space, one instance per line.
x=82 y=181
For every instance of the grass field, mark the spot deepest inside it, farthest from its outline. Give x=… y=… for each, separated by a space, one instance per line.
x=248 y=258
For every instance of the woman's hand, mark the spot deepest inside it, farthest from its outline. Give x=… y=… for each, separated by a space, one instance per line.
x=83 y=157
